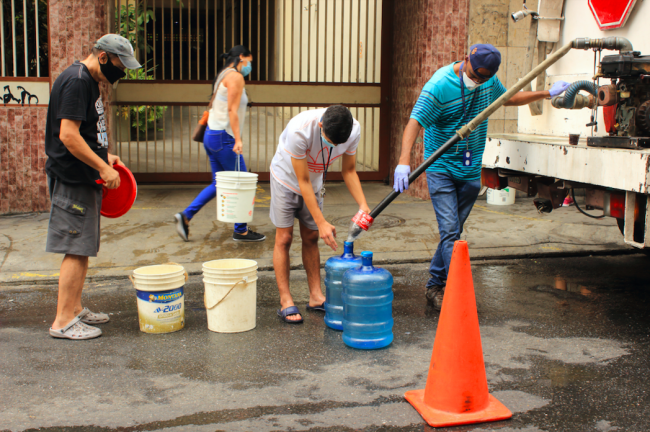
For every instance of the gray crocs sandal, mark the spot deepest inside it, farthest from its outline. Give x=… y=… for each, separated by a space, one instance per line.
x=76 y=330
x=88 y=317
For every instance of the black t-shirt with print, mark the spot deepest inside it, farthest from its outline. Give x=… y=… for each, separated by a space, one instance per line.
x=75 y=96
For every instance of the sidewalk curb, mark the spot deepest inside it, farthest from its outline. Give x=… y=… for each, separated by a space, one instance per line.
x=193 y=269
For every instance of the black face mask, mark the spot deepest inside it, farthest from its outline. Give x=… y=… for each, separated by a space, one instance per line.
x=111 y=72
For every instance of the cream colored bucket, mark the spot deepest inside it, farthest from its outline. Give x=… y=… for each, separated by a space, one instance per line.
x=230 y=294
x=236 y=196
x=161 y=299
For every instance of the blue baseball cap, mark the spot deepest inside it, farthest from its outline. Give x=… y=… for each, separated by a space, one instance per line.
x=484 y=56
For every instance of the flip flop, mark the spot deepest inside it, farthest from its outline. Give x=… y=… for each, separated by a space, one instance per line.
x=291 y=310
x=319 y=308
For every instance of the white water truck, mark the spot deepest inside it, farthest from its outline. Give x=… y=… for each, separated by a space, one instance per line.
x=612 y=169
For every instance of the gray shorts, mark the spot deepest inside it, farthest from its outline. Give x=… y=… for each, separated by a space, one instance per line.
x=287 y=205
x=74 y=219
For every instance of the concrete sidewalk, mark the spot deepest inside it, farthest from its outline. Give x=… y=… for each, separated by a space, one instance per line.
x=405 y=232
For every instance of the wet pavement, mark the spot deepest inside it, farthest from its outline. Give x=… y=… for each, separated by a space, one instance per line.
x=566 y=344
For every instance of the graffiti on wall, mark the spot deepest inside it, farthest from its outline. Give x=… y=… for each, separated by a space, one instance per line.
x=24 y=93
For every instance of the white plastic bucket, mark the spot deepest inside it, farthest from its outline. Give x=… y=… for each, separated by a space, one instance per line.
x=504 y=196
x=230 y=294
x=236 y=196
x=161 y=297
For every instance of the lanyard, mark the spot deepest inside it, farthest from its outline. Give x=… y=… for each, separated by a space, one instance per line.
x=462 y=95
x=329 y=156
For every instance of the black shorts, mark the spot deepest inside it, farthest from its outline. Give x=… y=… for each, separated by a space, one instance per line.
x=74 y=219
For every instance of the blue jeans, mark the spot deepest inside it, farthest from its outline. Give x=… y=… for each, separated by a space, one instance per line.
x=218 y=146
x=452 y=201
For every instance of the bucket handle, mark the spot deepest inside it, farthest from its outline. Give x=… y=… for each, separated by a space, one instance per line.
x=205 y=298
x=238 y=168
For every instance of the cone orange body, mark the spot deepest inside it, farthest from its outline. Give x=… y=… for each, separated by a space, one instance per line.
x=456 y=392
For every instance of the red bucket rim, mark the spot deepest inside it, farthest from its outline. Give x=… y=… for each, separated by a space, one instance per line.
x=117 y=202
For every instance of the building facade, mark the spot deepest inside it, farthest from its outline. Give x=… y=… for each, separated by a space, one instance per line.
x=386 y=52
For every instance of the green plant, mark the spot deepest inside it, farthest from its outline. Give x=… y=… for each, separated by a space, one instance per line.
x=143 y=117
x=131 y=20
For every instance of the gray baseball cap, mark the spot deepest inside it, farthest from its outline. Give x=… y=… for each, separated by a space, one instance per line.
x=116 y=44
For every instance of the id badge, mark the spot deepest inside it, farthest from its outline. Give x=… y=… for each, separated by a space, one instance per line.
x=322 y=192
x=467 y=158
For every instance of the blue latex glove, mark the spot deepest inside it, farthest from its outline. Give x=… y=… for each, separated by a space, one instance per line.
x=401 y=178
x=558 y=88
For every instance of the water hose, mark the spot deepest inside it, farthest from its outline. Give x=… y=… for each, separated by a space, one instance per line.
x=612 y=43
x=568 y=101
x=573 y=195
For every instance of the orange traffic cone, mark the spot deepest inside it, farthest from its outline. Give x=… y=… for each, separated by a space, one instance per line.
x=457 y=392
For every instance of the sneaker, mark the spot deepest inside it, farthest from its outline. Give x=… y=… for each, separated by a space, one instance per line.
x=435 y=295
x=251 y=236
x=182 y=227
x=568 y=201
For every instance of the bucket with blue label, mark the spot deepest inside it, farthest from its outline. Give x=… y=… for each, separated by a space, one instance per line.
x=161 y=300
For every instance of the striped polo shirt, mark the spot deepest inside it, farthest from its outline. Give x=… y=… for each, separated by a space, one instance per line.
x=439 y=110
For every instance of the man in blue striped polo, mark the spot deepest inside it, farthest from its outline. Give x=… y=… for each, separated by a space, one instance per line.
x=454 y=96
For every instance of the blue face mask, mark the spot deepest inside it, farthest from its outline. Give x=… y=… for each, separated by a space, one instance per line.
x=326 y=143
x=245 y=70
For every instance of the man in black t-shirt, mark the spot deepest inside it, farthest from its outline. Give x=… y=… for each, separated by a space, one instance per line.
x=78 y=163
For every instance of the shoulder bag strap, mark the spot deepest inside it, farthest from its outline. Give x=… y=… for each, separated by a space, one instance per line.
x=220 y=78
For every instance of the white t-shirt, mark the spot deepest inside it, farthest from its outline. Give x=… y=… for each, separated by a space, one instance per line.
x=301 y=139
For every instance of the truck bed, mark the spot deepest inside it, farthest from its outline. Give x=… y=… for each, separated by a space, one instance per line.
x=553 y=156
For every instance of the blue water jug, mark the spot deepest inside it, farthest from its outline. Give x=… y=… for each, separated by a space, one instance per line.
x=335 y=268
x=367 y=306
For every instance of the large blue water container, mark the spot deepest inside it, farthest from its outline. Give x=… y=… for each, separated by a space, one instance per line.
x=367 y=306
x=335 y=268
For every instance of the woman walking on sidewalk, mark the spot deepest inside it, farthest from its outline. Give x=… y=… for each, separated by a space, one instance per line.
x=222 y=139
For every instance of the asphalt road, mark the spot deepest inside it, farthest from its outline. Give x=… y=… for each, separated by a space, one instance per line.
x=573 y=359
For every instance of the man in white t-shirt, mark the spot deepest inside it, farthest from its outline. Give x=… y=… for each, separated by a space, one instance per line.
x=312 y=141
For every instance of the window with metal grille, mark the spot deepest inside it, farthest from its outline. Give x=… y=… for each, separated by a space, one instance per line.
x=182 y=39
x=23 y=38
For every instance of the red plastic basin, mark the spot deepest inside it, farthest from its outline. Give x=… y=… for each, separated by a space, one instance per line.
x=116 y=202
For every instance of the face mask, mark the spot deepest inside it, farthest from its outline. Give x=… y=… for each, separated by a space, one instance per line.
x=469 y=83
x=111 y=72
x=326 y=143
x=245 y=70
